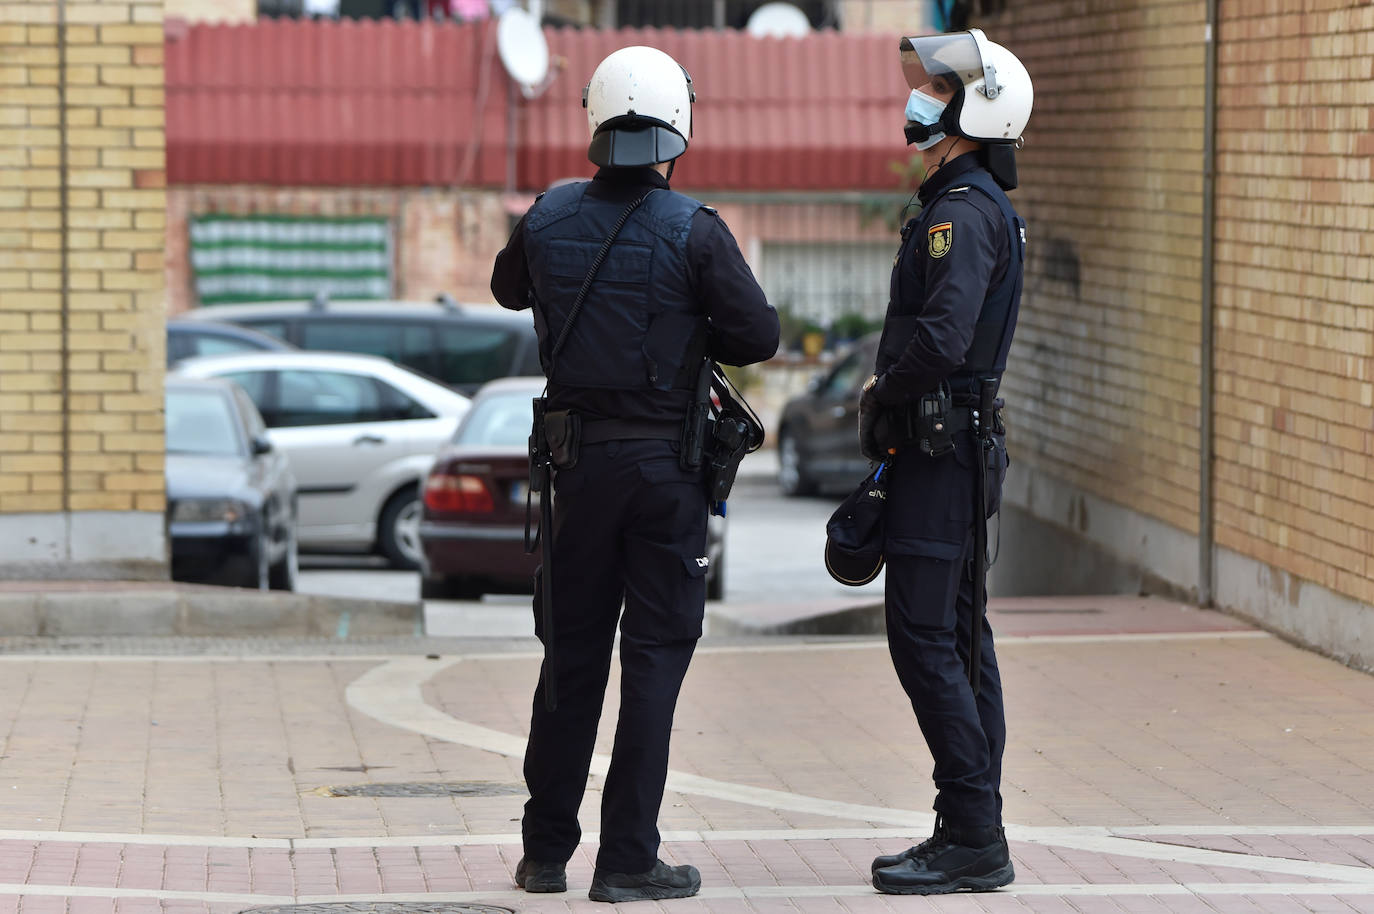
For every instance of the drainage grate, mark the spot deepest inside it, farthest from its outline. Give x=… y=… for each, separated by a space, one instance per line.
x=381 y=907
x=426 y=789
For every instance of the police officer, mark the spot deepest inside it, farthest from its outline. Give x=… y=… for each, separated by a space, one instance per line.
x=630 y=523
x=930 y=411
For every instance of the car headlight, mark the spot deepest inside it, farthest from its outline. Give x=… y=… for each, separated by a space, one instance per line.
x=208 y=510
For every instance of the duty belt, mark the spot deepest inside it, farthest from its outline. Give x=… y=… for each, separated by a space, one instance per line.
x=599 y=431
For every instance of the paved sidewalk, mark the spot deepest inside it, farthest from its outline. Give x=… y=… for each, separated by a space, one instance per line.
x=1160 y=759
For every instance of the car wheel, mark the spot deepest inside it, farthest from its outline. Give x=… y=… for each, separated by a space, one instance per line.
x=792 y=478
x=283 y=574
x=399 y=529
x=259 y=572
x=450 y=588
x=715 y=578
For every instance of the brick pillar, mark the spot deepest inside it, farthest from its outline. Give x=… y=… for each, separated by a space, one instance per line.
x=82 y=225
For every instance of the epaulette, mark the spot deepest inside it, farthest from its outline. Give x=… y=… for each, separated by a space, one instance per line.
x=710 y=209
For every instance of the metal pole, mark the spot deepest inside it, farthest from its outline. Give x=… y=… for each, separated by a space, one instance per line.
x=64 y=267
x=718 y=14
x=1207 y=359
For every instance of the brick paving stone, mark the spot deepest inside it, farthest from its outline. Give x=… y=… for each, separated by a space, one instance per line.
x=1223 y=732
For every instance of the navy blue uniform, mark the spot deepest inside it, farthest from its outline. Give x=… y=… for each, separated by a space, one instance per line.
x=956 y=286
x=630 y=523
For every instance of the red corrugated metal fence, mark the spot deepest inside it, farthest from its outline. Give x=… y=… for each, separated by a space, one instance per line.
x=425 y=104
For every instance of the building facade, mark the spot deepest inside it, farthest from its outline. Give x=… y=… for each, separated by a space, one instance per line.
x=1191 y=388
x=83 y=219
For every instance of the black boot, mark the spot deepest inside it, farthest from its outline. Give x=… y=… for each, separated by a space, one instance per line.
x=911 y=853
x=976 y=859
x=663 y=881
x=533 y=876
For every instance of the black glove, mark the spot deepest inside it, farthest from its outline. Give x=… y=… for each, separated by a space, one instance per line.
x=870 y=411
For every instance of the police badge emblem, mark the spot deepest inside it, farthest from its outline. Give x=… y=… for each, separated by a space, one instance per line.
x=941 y=238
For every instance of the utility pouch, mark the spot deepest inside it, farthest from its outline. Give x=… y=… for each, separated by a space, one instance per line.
x=563 y=430
x=930 y=423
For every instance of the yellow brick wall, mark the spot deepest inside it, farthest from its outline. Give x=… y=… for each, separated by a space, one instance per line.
x=1295 y=300
x=222 y=11
x=1102 y=380
x=81 y=291
x=1104 y=376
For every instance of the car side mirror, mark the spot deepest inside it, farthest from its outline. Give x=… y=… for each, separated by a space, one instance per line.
x=261 y=446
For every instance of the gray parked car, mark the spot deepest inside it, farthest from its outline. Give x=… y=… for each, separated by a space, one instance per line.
x=818 y=432
x=463 y=346
x=360 y=433
x=231 y=498
x=190 y=337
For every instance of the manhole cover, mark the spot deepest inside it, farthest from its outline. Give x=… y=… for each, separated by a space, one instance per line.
x=381 y=907
x=426 y=789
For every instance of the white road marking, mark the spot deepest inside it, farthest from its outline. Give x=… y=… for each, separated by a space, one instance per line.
x=1175 y=853
x=86 y=891
x=872 y=643
x=391 y=694
x=521 y=899
x=88 y=837
x=1061 y=835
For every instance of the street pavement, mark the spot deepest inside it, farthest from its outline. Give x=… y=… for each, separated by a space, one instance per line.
x=1160 y=758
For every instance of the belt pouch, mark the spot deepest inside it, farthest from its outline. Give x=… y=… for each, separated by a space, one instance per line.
x=564 y=431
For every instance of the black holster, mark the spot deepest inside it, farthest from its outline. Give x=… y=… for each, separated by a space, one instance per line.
x=730 y=441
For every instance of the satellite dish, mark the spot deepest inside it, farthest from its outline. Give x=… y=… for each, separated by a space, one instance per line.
x=778 y=20
x=523 y=50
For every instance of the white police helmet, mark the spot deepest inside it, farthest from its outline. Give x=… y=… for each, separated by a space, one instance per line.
x=997 y=95
x=639 y=108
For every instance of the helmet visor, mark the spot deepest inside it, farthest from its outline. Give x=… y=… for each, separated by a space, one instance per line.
x=947 y=62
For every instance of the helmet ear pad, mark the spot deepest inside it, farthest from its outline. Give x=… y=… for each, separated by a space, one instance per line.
x=949 y=118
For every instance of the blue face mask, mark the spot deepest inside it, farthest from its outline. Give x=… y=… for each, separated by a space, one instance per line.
x=925 y=110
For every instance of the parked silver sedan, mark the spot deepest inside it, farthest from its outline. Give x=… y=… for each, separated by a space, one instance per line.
x=360 y=433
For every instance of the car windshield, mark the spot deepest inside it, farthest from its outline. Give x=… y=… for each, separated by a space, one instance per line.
x=499 y=420
x=201 y=422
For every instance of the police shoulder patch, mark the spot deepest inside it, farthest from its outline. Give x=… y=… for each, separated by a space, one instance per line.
x=941 y=238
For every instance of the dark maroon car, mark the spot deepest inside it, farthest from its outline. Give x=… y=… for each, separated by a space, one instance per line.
x=473 y=528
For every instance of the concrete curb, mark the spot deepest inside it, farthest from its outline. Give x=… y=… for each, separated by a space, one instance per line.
x=864 y=618
x=201 y=611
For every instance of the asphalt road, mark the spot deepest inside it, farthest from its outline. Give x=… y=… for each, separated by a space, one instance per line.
x=773 y=548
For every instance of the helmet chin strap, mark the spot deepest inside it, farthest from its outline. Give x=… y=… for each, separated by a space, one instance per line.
x=919 y=133
x=671 y=166
x=954 y=142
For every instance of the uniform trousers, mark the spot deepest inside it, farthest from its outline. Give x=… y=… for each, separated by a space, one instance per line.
x=629 y=527
x=928 y=540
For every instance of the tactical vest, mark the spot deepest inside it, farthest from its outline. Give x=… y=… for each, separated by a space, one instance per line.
x=987 y=355
x=640 y=327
